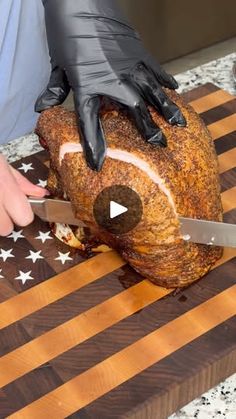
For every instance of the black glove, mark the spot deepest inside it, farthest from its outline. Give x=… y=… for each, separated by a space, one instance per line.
x=95 y=52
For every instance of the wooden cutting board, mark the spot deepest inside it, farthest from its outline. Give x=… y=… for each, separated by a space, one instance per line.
x=91 y=338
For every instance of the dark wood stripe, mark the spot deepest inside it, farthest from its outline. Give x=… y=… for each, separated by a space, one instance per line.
x=22 y=392
x=43 y=157
x=230 y=217
x=58 y=287
x=13 y=338
x=228 y=179
x=80 y=301
x=219 y=112
x=5 y=405
x=225 y=143
x=134 y=327
x=200 y=91
x=116 y=338
x=138 y=297
x=155 y=400
x=70 y=306
x=75 y=331
x=87 y=387
x=38 y=382
x=6 y=290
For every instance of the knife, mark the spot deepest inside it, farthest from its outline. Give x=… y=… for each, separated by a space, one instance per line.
x=193 y=230
x=54 y=211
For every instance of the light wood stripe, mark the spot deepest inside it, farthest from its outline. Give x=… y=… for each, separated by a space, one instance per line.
x=82 y=327
x=227 y=160
x=127 y=363
x=223 y=127
x=229 y=199
x=58 y=287
x=210 y=101
x=75 y=331
x=28 y=302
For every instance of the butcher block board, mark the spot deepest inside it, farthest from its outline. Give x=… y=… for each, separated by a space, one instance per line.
x=90 y=338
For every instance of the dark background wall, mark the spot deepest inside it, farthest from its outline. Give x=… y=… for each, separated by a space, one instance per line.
x=172 y=28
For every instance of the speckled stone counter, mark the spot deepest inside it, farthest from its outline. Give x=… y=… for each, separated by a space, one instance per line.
x=218 y=72
x=219 y=402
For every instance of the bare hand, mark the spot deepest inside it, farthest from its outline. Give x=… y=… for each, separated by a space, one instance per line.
x=14 y=207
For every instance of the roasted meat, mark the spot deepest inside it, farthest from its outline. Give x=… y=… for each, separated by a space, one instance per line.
x=181 y=179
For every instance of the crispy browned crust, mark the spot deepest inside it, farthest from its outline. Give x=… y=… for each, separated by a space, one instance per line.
x=189 y=168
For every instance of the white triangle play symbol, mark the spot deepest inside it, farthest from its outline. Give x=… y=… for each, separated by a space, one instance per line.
x=116 y=209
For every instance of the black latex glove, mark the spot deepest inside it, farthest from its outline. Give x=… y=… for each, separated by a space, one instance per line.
x=95 y=52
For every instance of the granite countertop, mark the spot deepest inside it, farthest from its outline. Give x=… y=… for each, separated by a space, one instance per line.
x=220 y=402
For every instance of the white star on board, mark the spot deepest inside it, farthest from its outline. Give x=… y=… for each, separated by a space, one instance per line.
x=34 y=256
x=26 y=167
x=5 y=254
x=44 y=236
x=63 y=257
x=0 y=274
x=24 y=276
x=42 y=183
x=15 y=235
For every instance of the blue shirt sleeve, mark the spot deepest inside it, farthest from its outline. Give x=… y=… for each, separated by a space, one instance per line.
x=24 y=65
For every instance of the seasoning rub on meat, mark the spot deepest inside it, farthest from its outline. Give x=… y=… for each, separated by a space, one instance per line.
x=180 y=180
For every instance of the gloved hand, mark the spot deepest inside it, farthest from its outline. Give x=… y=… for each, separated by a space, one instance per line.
x=95 y=52
x=14 y=207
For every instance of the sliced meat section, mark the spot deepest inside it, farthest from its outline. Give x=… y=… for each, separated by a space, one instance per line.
x=181 y=179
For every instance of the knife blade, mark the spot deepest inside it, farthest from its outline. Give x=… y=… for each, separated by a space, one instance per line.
x=193 y=230
x=208 y=232
x=54 y=211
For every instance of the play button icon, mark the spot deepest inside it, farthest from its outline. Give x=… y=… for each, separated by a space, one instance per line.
x=118 y=209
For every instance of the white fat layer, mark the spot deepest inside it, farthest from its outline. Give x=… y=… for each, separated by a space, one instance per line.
x=126 y=157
